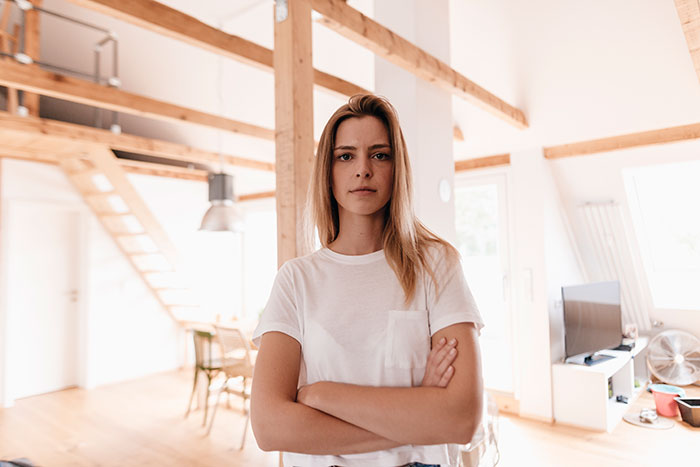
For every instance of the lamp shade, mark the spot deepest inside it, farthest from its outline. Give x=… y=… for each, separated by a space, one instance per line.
x=223 y=215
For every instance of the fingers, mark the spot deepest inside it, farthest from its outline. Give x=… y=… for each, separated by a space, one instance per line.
x=438 y=370
x=445 y=352
x=446 y=362
x=446 y=376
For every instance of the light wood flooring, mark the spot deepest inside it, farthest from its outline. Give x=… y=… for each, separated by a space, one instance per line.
x=140 y=423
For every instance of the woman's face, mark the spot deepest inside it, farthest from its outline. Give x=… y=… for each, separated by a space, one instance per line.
x=362 y=169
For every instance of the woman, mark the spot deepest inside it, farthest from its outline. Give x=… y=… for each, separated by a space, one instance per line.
x=345 y=374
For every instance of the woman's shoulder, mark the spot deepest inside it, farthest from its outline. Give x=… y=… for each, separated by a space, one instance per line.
x=300 y=263
x=440 y=253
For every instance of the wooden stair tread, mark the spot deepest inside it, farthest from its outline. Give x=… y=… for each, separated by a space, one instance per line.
x=80 y=173
x=113 y=214
x=154 y=253
x=131 y=234
x=100 y=194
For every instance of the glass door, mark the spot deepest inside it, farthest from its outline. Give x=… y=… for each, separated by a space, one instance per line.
x=482 y=240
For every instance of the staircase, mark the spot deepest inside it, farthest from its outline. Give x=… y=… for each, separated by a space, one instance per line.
x=104 y=185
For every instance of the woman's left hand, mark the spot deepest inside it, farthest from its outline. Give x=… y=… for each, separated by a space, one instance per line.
x=438 y=368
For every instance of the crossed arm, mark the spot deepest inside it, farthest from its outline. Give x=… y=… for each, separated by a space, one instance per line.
x=335 y=418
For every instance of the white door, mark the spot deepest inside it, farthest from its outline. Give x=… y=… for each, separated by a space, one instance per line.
x=481 y=219
x=42 y=297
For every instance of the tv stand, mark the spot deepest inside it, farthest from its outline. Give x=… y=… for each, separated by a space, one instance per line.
x=587 y=396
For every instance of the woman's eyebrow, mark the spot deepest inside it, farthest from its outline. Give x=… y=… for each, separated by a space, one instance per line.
x=374 y=146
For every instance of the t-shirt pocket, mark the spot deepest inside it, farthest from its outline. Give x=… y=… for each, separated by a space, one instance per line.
x=408 y=339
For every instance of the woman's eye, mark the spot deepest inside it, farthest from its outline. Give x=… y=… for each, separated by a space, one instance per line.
x=382 y=156
x=344 y=157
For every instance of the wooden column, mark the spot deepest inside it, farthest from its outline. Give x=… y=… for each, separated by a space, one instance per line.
x=32 y=48
x=8 y=45
x=294 y=143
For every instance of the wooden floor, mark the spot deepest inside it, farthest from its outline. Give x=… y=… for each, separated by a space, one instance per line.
x=141 y=423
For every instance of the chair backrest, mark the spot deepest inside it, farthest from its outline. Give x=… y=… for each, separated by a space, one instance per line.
x=235 y=349
x=202 y=348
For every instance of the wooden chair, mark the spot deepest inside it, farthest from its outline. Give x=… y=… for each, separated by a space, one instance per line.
x=204 y=363
x=237 y=363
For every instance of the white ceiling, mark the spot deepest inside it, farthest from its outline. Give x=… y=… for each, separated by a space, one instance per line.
x=578 y=70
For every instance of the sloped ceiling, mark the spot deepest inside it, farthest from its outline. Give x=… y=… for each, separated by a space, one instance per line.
x=579 y=70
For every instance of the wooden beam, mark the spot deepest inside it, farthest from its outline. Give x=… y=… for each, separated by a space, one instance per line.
x=368 y=33
x=254 y=196
x=27 y=155
x=143 y=168
x=294 y=144
x=457 y=133
x=482 y=162
x=631 y=140
x=5 y=47
x=85 y=92
x=162 y=19
x=60 y=132
x=161 y=170
x=32 y=47
x=689 y=15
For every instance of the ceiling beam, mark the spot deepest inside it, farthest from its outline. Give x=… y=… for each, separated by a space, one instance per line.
x=32 y=47
x=161 y=170
x=254 y=196
x=689 y=15
x=162 y=19
x=85 y=92
x=631 y=140
x=482 y=162
x=13 y=128
x=294 y=145
x=349 y=22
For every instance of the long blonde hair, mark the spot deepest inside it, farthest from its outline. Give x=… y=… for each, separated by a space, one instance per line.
x=405 y=238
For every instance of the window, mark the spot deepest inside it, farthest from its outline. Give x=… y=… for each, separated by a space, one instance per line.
x=481 y=222
x=665 y=205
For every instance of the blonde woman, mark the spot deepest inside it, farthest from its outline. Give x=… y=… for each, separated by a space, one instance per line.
x=368 y=347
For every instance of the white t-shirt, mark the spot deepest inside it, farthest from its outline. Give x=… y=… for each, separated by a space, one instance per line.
x=349 y=316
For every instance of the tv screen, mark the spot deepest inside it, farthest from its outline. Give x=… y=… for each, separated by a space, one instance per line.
x=592 y=317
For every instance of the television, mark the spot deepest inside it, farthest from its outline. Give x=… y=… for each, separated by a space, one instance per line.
x=592 y=321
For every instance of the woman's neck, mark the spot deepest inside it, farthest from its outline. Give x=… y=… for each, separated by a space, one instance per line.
x=359 y=235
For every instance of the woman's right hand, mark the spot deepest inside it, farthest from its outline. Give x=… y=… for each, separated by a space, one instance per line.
x=439 y=369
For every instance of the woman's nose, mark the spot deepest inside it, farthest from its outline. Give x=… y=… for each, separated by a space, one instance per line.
x=363 y=170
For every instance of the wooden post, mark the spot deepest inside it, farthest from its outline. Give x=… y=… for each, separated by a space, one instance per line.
x=294 y=143
x=5 y=47
x=32 y=48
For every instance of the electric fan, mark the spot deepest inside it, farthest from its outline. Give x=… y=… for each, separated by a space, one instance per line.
x=674 y=357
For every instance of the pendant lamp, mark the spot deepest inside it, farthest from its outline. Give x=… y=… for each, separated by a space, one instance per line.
x=223 y=215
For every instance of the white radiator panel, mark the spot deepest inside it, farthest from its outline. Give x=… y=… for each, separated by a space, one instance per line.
x=611 y=244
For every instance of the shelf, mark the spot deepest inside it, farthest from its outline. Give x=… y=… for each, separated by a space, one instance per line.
x=580 y=392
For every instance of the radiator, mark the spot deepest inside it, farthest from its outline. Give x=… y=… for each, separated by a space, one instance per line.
x=611 y=242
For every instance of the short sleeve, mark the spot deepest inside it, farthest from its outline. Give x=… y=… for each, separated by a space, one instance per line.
x=449 y=301
x=280 y=313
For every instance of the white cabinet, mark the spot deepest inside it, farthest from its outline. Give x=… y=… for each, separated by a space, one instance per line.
x=580 y=392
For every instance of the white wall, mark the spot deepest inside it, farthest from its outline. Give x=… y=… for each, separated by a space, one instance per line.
x=600 y=178
x=543 y=262
x=124 y=332
x=425 y=111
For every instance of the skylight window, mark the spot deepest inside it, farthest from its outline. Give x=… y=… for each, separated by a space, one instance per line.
x=665 y=206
